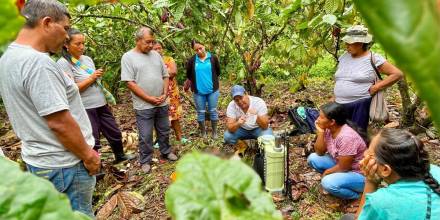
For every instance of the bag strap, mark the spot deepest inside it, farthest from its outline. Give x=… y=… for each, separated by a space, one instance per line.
x=374 y=67
x=428 y=208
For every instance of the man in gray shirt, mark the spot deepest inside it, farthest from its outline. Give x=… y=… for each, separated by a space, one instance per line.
x=44 y=105
x=147 y=78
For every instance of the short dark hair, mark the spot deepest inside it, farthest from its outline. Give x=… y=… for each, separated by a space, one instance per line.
x=194 y=42
x=34 y=10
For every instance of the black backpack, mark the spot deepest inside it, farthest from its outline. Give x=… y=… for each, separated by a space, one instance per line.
x=303 y=126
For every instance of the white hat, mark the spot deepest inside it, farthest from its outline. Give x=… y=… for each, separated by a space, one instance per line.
x=357 y=34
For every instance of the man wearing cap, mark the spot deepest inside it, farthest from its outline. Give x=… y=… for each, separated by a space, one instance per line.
x=355 y=76
x=246 y=117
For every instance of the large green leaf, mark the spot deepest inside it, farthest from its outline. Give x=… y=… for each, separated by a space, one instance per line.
x=10 y=21
x=208 y=187
x=410 y=32
x=25 y=196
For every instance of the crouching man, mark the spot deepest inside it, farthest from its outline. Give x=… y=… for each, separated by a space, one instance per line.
x=246 y=117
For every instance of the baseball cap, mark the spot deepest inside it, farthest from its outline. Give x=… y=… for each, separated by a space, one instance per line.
x=237 y=90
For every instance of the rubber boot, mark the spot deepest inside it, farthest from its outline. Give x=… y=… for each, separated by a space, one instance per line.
x=202 y=129
x=214 y=129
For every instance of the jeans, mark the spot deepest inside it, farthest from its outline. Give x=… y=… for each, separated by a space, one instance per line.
x=104 y=122
x=243 y=134
x=201 y=101
x=146 y=120
x=74 y=181
x=346 y=185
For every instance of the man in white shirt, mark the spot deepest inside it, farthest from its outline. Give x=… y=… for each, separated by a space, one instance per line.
x=246 y=117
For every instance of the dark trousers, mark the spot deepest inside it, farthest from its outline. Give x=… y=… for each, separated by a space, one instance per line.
x=147 y=120
x=102 y=121
x=359 y=112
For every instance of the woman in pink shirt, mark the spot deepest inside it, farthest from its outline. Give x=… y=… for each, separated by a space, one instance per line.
x=338 y=150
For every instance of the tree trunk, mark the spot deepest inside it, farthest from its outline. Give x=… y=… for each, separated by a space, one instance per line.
x=409 y=108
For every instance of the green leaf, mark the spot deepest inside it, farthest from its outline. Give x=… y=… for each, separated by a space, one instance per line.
x=179 y=9
x=10 y=21
x=208 y=187
x=27 y=197
x=303 y=25
x=329 y=19
x=330 y=6
x=161 y=4
x=410 y=32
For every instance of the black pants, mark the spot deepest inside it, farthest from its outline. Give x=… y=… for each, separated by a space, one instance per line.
x=104 y=122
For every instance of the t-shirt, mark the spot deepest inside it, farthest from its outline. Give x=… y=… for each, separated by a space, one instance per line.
x=234 y=111
x=148 y=71
x=204 y=75
x=92 y=97
x=347 y=143
x=402 y=200
x=354 y=77
x=32 y=86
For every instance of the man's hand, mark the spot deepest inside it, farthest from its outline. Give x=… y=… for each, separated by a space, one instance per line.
x=241 y=120
x=154 y=100
x=92 y=163
x=252 y=111
x=163 y=98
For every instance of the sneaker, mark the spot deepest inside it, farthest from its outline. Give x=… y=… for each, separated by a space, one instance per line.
x=171 y=157
x=146 y=168
x=124 y=158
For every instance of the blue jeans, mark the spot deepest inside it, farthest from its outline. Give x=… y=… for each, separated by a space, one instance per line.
x=74 y=181
x=243 y=134
x=147 y=120
x=346 y=185
x=201 y=100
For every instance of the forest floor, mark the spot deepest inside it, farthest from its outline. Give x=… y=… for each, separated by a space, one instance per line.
x=124 y=183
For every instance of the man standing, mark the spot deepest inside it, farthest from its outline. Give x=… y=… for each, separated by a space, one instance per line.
x=246 y=117
x=147 y=78
x=44 y=105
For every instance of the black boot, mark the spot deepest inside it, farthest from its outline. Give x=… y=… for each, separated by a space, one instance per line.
x=202 y=129
x=214 y=129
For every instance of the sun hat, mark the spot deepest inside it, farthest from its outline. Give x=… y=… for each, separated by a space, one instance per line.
x=357 y=34
x=237 y=90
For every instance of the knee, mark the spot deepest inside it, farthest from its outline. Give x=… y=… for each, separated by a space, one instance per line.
x=329 y=184
x=229 y=138
x=311 y=159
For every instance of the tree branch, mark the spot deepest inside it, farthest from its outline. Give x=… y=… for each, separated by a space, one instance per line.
x=115 y=18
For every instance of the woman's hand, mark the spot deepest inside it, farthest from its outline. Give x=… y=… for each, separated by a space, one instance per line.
x=373 y=89
x=98 y=73
x=319 y=129
x=368 y=167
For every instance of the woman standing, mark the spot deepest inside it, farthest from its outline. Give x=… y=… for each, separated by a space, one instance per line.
x=355 y=76
x=175 y=109
x=203 y=70
x=339 y=148
x=94 y=96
